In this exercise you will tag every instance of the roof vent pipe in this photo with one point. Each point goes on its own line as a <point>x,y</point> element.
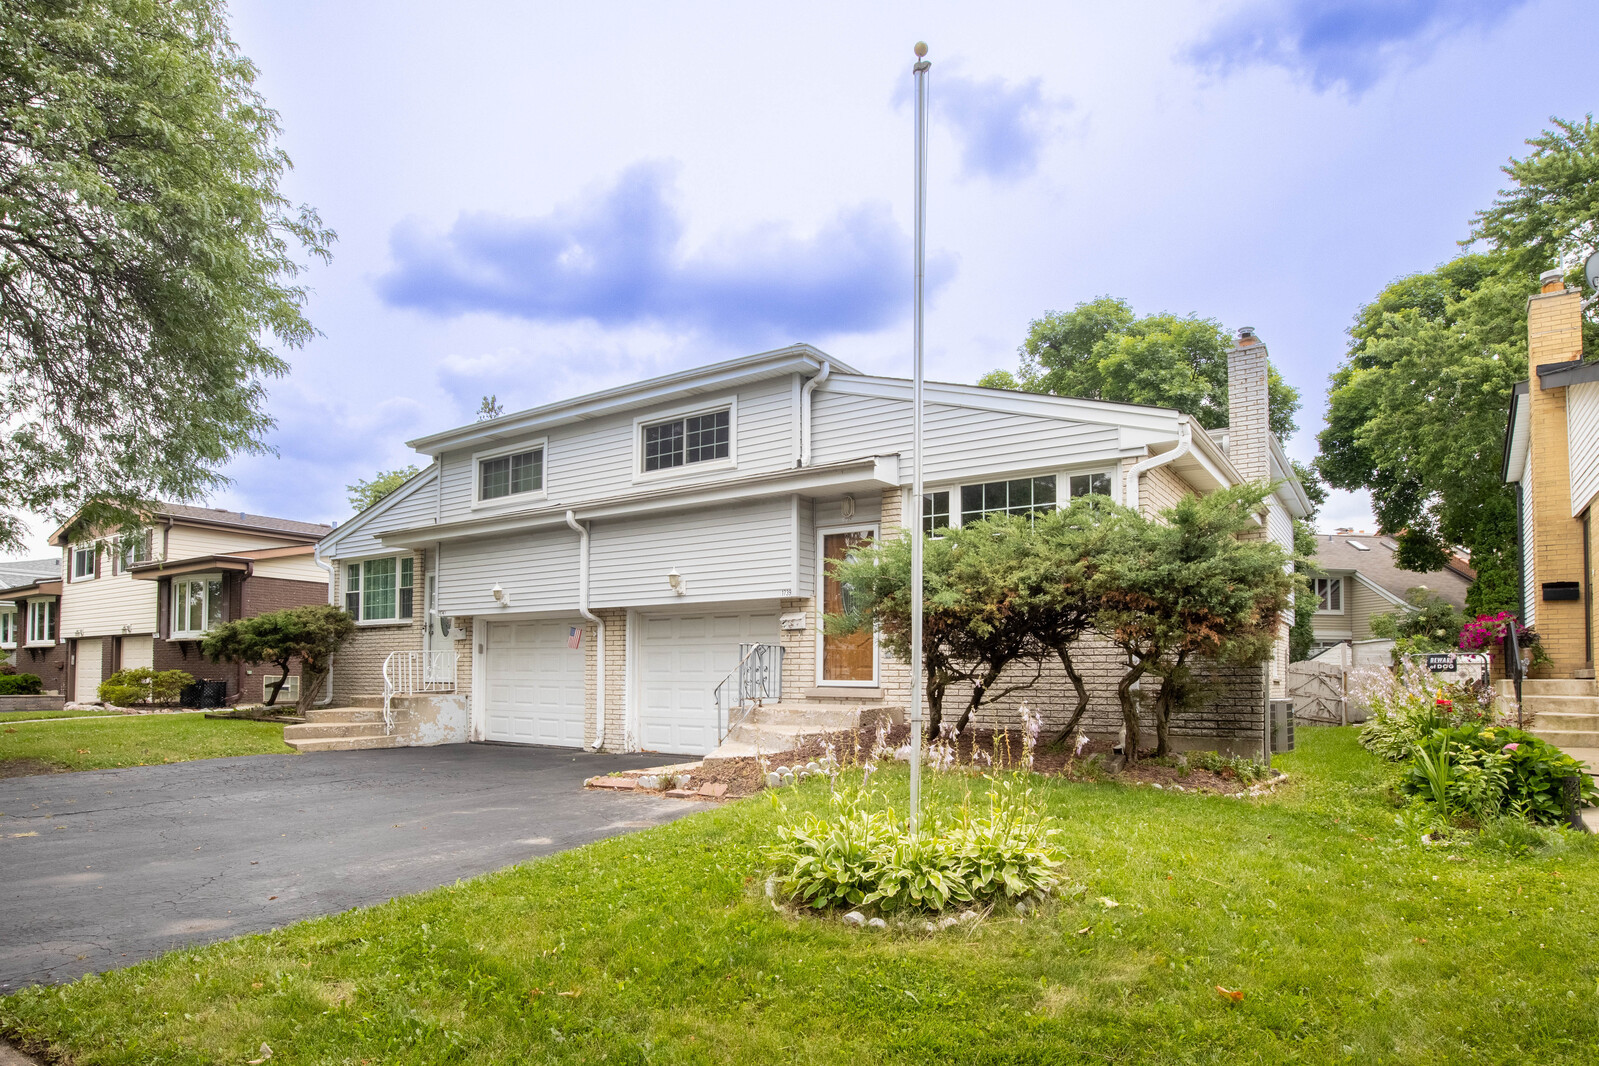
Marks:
<point>599,626</point>
<point>805,412</point>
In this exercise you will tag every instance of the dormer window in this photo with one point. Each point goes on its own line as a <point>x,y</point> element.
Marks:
<point>699,438</point>
<point>509,474</point>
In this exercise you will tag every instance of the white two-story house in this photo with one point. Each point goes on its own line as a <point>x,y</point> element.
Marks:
<point>591,572</point>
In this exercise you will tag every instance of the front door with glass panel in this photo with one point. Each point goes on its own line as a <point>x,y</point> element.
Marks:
<point>852,657</point>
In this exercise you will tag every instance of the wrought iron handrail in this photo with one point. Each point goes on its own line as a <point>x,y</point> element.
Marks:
<point>1513,667</point>
<point>757,677</point>
<point>405,673</point>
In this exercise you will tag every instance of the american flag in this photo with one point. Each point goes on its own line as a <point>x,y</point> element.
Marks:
<point>574,637</point>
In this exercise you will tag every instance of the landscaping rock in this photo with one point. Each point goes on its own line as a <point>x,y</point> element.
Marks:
<point>682,794</point>
<point>622,784</point>
<point>968,916</point>
<point>714,789</point>
<point>855,918</point>
<point>876,923</point>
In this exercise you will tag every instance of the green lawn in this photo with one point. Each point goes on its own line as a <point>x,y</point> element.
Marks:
<point>18,716</point>
<point>136,740</point>
<point>1349,939</point>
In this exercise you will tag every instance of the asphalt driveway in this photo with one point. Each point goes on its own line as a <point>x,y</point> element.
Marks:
<point>103,868</point>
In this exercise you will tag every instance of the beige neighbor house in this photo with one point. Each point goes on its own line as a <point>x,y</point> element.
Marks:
<point>632,569</point>
<point>1358,580</point>
<point>30,608</point>
<point>147,600</point>
<point>1551,456</point>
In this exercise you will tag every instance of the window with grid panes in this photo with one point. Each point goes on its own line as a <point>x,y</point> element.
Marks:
<point>509,475</point>
<point>1019,496</point>
<point>694,439</point>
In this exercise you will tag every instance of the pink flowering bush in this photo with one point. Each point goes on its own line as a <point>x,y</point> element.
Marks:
<point>1488,631</point>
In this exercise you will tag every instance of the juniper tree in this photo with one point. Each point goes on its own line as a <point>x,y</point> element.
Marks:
<point>310,634</point>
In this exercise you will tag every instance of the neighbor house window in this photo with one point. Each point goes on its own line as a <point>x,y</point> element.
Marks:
<point>694,439</point>
<point>510,475</point>
<point>83,562</point>
<point>1089,485</point>
<point>1020,496</point>
<point>136,549</point>
<point>8,629</point>
<point>381,590</point>
<point>1329,593</point>
<point>196,605</point>
<point>935,512</point>
<point>42,621</point>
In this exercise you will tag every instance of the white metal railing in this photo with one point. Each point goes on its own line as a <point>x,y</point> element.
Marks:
<point>757,677</point>
<point>405,673</point>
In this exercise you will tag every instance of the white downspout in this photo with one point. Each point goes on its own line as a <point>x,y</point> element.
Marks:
<point>1185,442</point>
<point>333,599</point>
<point>805,412</point>
<point>599,626</point>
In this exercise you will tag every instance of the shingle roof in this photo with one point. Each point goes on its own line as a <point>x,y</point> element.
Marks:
<point>243,520</point>
<point>1338,551</point>
<point>18,572</point>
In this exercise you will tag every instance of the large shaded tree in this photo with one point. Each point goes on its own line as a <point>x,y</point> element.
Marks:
<point>147,256</point>
<point>1549,216</point>
<point>1102,350</point>
<point>365,493</point>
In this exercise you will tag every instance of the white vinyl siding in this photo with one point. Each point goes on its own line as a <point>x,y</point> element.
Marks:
<point>1329,593</point>
<point>413,506</point>
<point>1582,441</point>
<point>962,442</point>
<point>737,551</point>
<point>539,570</point>
<point>187,542</point>
<point>599,458</point>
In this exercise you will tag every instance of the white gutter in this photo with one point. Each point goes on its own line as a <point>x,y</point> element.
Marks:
<point>599,626</point>
<point>1185,442</point>
<point>805,411</point>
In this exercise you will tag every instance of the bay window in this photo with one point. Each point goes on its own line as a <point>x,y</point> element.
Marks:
<point>381,590</point>
<point>8,629</point>
<point>196,605</point>
<point>42,621</point>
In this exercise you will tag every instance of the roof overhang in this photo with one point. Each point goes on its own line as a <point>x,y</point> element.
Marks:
<point>1567,372</point>
<point>874,473</point>
<point>63,534</point>
<point>408,488</point>
<point>201,564</point>
<point>31,591</point>
<point>1518,436</point>
<point>795,359</point>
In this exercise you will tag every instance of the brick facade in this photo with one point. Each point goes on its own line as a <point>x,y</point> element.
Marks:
<point>49,663</point>
<point>358,666</point>
<point>1554,334</point>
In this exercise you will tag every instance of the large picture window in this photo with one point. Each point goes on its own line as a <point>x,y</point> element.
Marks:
<point>381,590</point>
<point>510,475</point>
<point>1020,496</point>
<point>693,439</point>
<point>1329,594</point>
<point>196,605</point>
<point>42,621</point>
<point>8,629</point>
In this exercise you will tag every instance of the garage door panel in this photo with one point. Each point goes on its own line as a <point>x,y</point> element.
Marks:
<point>681,660</point>
<point>535,685</point>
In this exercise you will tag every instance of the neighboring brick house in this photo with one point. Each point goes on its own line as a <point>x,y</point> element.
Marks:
<point>1357,579</point>
<point>591,572</point>
<point>30,613</point>
<point>147,599</point>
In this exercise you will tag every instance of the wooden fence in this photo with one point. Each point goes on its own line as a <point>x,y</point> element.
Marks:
<point>1319,692</point>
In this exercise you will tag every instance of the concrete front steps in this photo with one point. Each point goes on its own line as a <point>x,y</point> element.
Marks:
<point>1566,714</point>
<point>342,728</point>
<point>774,727</point>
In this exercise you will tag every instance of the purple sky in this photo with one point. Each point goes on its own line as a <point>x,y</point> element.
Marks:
<point>538,200</point>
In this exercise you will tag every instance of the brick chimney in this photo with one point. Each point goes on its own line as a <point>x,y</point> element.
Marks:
<point>1248,408</point>
<point>1554,335</point>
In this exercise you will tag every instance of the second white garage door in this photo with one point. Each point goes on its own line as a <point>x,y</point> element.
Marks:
<point>534,684</point>
<point>682,658</point>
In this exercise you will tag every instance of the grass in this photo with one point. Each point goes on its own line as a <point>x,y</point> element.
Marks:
<point>77,712</point>
<point>1349,939</point>
<point>136,740</point>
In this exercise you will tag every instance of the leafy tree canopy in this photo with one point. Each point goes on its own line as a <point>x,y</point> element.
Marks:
<point>147,256</point>
<point>1549,216</point>
<point>364,494</point>
<point>1101,350</point>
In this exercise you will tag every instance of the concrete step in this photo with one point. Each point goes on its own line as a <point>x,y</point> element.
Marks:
<point>1558,686</point>
<point>325,730</point>
<point>346,714</point>
<point>1565,722</point>
<point>1561,704</point>
<point>1565,740</point>
<point>806,714</point>
<point>732,749</point>
<point>343,743</point>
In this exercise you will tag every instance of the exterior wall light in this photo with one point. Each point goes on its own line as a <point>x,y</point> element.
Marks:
<point>675,580</point>
<point>501,597</point>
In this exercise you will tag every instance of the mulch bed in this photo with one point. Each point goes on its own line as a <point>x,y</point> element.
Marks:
<point>982,749</point>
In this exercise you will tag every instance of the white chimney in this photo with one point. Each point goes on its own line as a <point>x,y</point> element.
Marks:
<point>1248,408</point>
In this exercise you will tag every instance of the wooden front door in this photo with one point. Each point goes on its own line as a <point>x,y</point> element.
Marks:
<point>852,657</point>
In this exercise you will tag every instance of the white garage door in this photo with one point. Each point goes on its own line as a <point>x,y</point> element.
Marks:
<point>87,687</point>
<point>534,684</point>
<point>682,659</point>
<point>137,653</point>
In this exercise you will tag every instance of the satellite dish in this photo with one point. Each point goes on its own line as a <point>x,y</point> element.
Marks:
<point>1591,269</point>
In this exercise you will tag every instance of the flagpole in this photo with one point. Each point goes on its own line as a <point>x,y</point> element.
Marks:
<point>914,521</point>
